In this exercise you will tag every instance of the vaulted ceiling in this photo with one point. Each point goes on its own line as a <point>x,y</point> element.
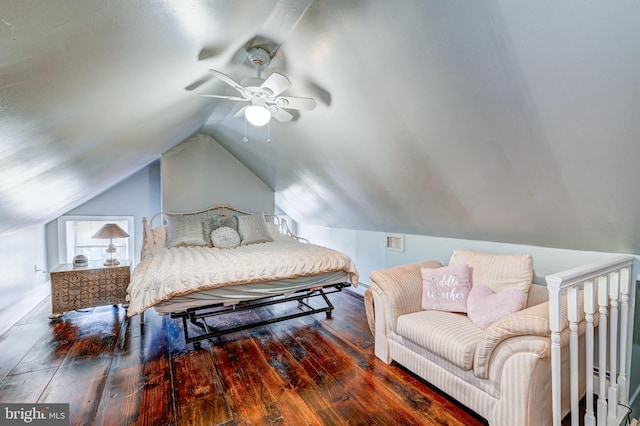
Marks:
<point>492,120</point>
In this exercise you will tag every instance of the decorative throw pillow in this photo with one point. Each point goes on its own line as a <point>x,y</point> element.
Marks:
<point>225,238</point>
<point>275,232</point>
<point>446,288</point>
<point>497,271</point>
<point>154,238</point>
<point>184,230</point>
<point>210,224</point>
<point>253,229</point>
<point>484,306</point>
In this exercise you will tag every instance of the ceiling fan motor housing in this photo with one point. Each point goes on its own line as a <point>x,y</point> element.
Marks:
<point>259,57</point>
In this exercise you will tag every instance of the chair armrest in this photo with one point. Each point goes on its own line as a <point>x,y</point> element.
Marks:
<point>533,321</point>
<point>523,325</point>
<point>400,289</point>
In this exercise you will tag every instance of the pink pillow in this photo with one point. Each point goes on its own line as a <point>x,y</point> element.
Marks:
<point>446,288</point>
<point>484,306</point>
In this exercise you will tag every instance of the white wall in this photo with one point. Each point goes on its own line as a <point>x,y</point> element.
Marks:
<point>21,286</point>
<point>367,249</point>
<point>199,173</point>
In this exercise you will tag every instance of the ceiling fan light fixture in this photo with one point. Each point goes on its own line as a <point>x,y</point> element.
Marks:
<point>263,95</point>
<point>257,115</point>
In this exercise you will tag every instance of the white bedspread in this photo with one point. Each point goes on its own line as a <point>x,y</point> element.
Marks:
<point>183,270</point>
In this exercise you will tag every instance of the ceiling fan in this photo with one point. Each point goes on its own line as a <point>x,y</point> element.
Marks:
<point>263,96</point>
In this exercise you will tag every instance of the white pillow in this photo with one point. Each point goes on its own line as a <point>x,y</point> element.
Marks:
<point>154,238</point>
<point>276,234</point>
<point>225,238</point>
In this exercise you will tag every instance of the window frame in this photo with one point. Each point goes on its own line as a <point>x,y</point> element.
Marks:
<point>62,233</point>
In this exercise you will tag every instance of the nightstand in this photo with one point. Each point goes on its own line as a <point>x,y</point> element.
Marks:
<point>88,286</point>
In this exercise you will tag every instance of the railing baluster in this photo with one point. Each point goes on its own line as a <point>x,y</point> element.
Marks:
<point>606,287</point>
<point>555,315</point>
<point>602,344</point>
<point>589,310</point>
<point>613,344</point>
<point>625,283</point>
<point>572,314</point>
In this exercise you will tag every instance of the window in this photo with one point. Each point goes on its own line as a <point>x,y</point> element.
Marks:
<point>75,232</point>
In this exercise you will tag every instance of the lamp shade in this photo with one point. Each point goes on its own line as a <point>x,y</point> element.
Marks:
<point>257,115</point>
<point>110,230</point>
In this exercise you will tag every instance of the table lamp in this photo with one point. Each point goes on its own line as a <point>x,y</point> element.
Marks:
<point>111,231</point>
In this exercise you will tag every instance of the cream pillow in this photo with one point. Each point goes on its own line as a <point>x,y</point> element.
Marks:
<point>274,230</point>
<point>497,271</point>
<point>154,238</point>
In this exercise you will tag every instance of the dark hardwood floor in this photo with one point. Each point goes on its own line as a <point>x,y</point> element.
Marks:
<point>309,370</point>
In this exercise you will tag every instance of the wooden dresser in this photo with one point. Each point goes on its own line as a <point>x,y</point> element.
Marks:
<point>88,286</point>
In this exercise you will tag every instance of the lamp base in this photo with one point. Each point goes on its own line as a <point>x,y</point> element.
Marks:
<point>111,262</point>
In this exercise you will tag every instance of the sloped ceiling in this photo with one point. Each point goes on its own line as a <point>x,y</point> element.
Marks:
<point>493,120</point>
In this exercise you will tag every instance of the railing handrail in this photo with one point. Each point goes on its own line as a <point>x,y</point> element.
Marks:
<point>570,277</point>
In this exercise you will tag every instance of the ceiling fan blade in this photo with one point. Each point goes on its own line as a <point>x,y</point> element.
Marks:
<point>275,84</point>
<point>320,93</point>
<point>241,112</point>
<point>209,52</point>
<point>231,82</point>
<point>308,104</point>
<point>231,98</point>
<point>281,115</point>
<point>199,82</point>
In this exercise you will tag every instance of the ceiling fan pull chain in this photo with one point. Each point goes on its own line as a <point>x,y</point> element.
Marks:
<point>269,132</point>
<point>244,139</point>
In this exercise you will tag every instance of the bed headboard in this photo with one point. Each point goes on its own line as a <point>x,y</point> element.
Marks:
<point>159,219</point>
<point>215,210</point>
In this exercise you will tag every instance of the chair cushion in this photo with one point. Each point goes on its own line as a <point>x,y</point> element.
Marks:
<point>496,271</point>
<point>449,335</point>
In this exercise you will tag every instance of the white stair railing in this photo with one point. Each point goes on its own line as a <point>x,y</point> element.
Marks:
<point>606,287</point>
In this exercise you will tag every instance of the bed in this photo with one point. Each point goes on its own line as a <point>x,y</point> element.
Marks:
<point>202,264</point>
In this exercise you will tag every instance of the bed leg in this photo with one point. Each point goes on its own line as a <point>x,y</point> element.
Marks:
<point>141,318</point>
<point>328,314</point>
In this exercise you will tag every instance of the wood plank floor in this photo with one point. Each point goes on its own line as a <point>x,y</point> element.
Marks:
<point>311,370</point>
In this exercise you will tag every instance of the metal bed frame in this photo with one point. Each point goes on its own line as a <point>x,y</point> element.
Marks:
<point>198,316</point>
